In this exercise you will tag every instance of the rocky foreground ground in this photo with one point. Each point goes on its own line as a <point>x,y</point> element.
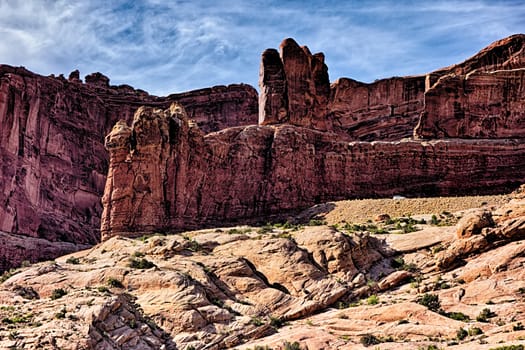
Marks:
<point>421,282</point>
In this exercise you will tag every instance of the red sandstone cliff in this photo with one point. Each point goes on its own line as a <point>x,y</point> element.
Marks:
<point>53,164</point>
<point>482,97</point>
<point>295,89</point>
<point>479,98</point>
<point>166,175</point>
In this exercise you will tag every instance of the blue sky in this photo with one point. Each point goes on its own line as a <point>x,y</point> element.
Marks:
<point>165,47</point>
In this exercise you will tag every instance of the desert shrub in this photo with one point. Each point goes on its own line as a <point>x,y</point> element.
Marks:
<point>285,235</point>
<point>8,274</point>
<point>73,260</point>
<point>518,327</point>
<point>475,331</point>
<point>256,321</point>
<point>372,300</point>
<point>141,264</point>
<point>262,347</point>
<point>458,316</point>
<point>113,282</point>
<point>58,293</point>
<point>399,264</point>
<point>61,314</point>
<point>103,289</point>
<point>292,346</point>
<point>369,339</point>
<point>485,314</point>
<point>442,285</point>
<point>429,347</point>
<point>509,347</point>
<point>276,322</point>
<point>138,254</point>
<point>265,229</point>
<point>316,222</point>
<point>461,334</point>
<point>431,301</point>
<point>437,248</point>
<point>17,319</point>
<point>194,246</point>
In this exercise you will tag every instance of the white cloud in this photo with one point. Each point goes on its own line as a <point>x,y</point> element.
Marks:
<point>173,46</point>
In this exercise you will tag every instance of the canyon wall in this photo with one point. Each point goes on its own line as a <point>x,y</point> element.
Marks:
<point>480,97</point>
<point>315,141</point>
<point>165,175</point>
<point>295,89</point>
<point>313,144</point>
<point>53,164</point>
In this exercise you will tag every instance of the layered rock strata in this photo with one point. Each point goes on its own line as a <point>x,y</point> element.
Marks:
<point>295,89</point>
<point>166,175</point>
<point>53,164</point>
<point>479,98</point>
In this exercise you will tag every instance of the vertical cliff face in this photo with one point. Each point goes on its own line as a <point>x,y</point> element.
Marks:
<point>387,109</point>
<point>295,89</point>
<point>53,164</point>
<point>167,176</point>
<point>476,105</point>
<point>478,98</point>
<point>149,169</point>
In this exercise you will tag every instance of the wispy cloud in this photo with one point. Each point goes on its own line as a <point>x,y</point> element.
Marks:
<point>172,46</point>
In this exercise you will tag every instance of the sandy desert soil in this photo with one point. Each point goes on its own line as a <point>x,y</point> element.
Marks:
<point>361,210</point>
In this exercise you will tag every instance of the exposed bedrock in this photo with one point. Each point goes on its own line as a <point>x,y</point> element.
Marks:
<point>170,176</point>
<point>53,164</point>
<point>308,148</point>
<point>479,98</point>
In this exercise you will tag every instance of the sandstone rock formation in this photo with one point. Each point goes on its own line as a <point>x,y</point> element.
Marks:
<point>168,176</point>
<point>205,289</point>
<point>53,166</point>
<point>52,161</point>
<point>479,98</point>
<point>236,287</point>
<point>478,233</point>
<point>295,89</point>
<point>475,105</point>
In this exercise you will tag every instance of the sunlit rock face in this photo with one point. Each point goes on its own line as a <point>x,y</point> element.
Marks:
<point>308,147</point>
<point>479,98</point>
<point>53,164</point>
<point>165,175</point>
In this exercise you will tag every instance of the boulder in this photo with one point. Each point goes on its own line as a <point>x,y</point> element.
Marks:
<point>473,222</point>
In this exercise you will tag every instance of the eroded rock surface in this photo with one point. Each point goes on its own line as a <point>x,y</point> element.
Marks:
<point>479,98</point>
<point>170,176</point>
<point>236,287</point>
<point>53,164</point>
<point>208,289</point>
